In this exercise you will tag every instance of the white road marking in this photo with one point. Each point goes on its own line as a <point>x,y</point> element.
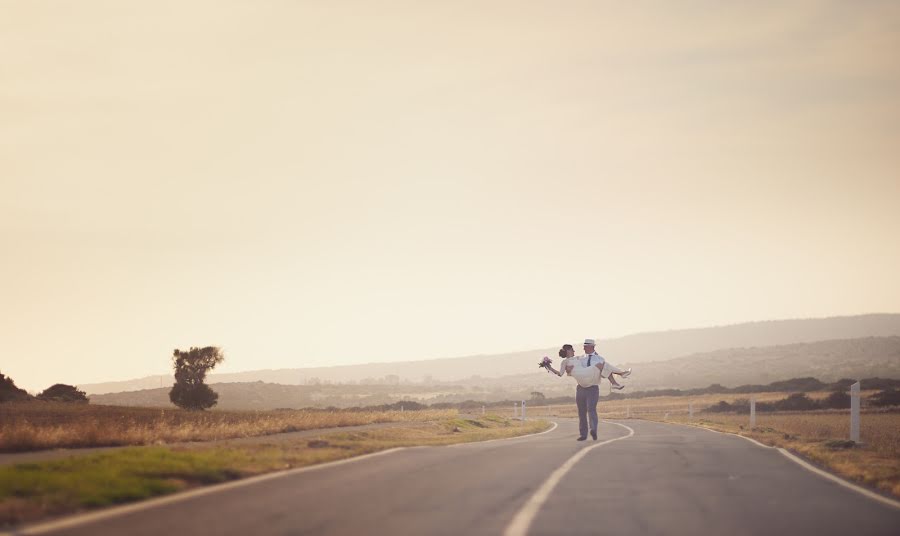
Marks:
<point>522,520</point>
<point>806,465</point>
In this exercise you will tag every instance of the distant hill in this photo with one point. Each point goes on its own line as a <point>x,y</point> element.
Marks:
<point>649,347</point>
<point>827,361</point>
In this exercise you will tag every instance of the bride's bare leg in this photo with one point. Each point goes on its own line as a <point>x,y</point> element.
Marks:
<point>607,372</point>
<point>612,369</point>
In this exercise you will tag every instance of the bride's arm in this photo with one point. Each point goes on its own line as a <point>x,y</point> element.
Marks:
<point>553,370</point>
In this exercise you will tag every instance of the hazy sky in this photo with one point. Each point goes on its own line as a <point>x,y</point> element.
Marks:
<point>313,183</point>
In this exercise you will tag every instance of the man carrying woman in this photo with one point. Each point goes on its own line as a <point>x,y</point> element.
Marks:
<point>588,370</point>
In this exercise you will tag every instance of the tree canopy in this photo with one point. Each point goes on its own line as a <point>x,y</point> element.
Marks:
<point>190,391</point>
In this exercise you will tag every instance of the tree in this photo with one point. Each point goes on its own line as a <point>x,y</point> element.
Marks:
<point>189,391</point>
<point>9,392</point>
<point>537,396</point>
<point>61,392</point>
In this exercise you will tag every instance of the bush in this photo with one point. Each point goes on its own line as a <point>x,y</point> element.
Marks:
<point>720,407</point>
<point>796,402</point>
<point>888,397</point>
<point>9,392</point>
<point>836,400</point>
<point>61,392</point>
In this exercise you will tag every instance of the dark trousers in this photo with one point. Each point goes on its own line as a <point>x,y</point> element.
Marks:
<point>586,398</point>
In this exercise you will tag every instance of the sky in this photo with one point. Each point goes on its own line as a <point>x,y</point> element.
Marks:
<point>327,183</point>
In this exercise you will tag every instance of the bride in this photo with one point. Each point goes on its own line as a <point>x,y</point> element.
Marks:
<point>593,368</point>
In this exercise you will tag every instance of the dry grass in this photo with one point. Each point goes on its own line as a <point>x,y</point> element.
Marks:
<point>44,425</point>
<point>29,492</point>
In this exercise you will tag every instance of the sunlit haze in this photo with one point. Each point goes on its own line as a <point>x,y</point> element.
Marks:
<point>324,183</point>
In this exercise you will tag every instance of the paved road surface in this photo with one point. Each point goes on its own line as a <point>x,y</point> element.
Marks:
<point>665,479</point>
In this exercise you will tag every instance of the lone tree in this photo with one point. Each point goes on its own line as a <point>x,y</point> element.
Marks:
<point>61,392</point>
<point>189,391</point>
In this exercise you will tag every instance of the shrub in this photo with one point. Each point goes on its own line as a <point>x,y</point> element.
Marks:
<point>836,400</point>
<point>796,402</point>
<point>9,392</point>
<point>888,397</point>
<point>720,407</point>
<point>61,392</point>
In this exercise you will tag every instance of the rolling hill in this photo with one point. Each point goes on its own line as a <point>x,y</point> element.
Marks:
<point>652,347</point>
<point>825,360</point>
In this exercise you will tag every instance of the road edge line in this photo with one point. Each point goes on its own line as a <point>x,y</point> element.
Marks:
<point>804,464</point>
<point>521,522</point>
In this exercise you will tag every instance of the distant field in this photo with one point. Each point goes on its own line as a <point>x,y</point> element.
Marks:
<point>44,425</point>
<point>660,405</point>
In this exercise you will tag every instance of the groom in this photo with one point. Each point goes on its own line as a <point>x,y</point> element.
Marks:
<point>588,395</point>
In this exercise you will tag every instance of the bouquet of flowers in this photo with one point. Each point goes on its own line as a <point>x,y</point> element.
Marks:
<point>545,363</point>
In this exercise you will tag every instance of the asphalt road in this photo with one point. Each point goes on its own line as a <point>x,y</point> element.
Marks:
<point>664,479</point>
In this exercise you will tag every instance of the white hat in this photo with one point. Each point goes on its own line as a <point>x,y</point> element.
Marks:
<point>589,342</point>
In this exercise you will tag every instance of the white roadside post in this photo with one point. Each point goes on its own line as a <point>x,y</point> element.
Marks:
<point>691,411</point>
<point>854,412</point>
<point>523,410</point>
<point>515,410</point>
<point>482,410</point>
<point>401,408</point>
<point>752,411</point>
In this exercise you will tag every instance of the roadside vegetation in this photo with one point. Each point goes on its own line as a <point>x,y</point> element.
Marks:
<point>44,425</point>
<point>33,491</point>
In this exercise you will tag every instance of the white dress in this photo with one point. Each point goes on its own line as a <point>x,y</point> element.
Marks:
<point>585,375</point>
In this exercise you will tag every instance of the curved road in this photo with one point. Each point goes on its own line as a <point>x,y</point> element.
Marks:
<point>663,479</point>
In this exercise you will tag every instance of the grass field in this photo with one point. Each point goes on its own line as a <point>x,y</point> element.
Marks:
<point>32,491</point>
<point>43,425</point>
